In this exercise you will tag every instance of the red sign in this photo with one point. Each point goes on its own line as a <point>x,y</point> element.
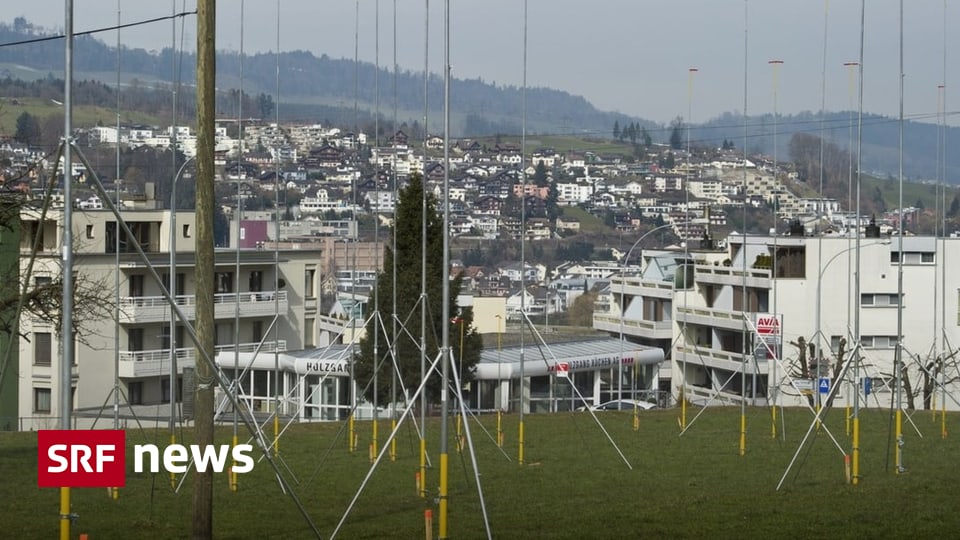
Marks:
<point>95,458</point>
<point>563,369</point>
<point>768,324</point>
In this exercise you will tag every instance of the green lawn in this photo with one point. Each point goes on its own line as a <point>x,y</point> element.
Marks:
<point>573,483</point>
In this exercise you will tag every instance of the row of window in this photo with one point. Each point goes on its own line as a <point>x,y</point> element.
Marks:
<point>880,300</point>
<point>867,342</point>
<point>913,257</point>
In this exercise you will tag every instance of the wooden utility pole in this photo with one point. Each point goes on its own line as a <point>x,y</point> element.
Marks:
<point>203,404</point>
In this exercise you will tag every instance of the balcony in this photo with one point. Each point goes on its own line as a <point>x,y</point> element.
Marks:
<point>728,275</point>
<point>716,318</point>
<point>730,361</point>
<point>154,363</point>
<point>634,327</point>
<point>638,286</point>
<point>154,309</point>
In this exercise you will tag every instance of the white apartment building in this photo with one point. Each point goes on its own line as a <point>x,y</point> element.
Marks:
<point>247,295</point>
<point>712,328</point>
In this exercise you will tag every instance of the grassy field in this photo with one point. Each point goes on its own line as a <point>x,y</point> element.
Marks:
<point>573,483</point>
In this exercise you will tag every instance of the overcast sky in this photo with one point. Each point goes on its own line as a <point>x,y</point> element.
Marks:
<point>631,56</point>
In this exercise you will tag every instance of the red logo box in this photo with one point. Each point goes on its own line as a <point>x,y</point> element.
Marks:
<point>95,458</point>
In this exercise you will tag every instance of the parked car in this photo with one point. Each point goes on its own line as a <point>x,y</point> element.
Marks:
<point>621,405</point>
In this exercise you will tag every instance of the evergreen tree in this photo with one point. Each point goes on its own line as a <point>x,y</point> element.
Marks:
<point>954,206</point>
<point>28,129</point>
<point>676,133</point>
<point>540,175</point>
<point>645,137</point>
<point>409,303</point>
<point>616,129</point>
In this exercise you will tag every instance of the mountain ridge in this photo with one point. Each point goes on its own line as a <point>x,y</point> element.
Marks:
<point>323,88</point>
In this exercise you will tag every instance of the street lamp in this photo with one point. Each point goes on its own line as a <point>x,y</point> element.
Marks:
<point>623,308</point>
<point>818,334</point>
<point>171,287</point>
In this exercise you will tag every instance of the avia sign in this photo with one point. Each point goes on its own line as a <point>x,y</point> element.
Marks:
<point>768,324</point>
<point>97,458</point>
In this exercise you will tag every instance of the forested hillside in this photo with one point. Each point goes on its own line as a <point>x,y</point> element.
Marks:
<point>482,108</point>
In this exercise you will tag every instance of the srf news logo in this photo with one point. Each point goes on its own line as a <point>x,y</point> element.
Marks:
<point>67,458</point>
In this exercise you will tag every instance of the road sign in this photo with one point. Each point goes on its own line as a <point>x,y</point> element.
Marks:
<point>804,385</point>
<point>563,369</point>
<point>824,385</point>
<point>867,385</point>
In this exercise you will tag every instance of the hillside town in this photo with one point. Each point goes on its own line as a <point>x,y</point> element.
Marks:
<point>675,304</point>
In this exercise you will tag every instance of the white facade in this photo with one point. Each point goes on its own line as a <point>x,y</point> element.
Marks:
<point>144,353</point>
<point>814,291</point>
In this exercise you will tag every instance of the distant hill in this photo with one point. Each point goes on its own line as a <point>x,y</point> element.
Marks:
<point>312,86</point>
<point>322,89</point>
<point>880,140</point>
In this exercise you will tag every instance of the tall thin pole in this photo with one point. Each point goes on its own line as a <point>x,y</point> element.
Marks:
<point>396,192</point>
<point>203,409</point>
<point>115,492</point>
<point>352,436</point>
<point>233,479</point>
<point>172,277</point>
<point>376,236</point>
<point>743,251</point>
<point>523,234</point>
<point>855,443</point>
<point>943,231</point>
<point>276,261</point>
<point>66,330</point>
<point>686,250</point>
<point>445,356</point>
<point>851,85</point>
<point>423,253</point>
<point>898,352</point>
<point>775,65</point>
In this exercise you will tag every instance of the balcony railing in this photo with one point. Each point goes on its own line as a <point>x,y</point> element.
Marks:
<point>136,364</point>
<point>729,275</point>
<point>149,309</point>
<point>720,318</point>
<point>634,327</point>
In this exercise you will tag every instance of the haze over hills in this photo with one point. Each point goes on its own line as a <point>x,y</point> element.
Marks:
<point>325,89</point>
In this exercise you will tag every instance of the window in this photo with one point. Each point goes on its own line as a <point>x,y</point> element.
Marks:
<point>308,282</point>
<point>913,257</point>
<point>186,231</point>
<point>89,231</point>
<point>41,400</point>
<point>223,282</point>
<point>879,300</point>
<point>135,392</point>
<point>41,348</point>
<point>136,285</point>
<point>135,339</point>
<point>879,342</point>
<point>181,284</point>
<point>256,331</point>
<point>309,329</point>
<point>835,343</point>
<point>165,390</point>
<point>256,281</point>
